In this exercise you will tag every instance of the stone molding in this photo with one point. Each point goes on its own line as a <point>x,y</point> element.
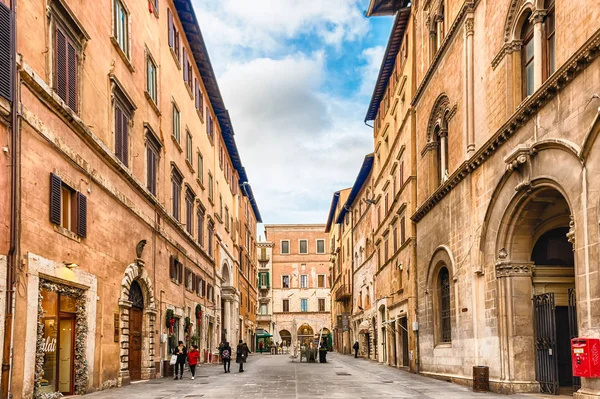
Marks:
<point>527,110</point>
<point>507,268</point>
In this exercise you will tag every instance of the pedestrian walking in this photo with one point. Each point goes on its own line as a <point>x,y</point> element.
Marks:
<point>225,353</point>
<point>261,346</point>
<point>241,354</point>
<point>181,352</point>
<point>355,347</point>
<point>193,357</point>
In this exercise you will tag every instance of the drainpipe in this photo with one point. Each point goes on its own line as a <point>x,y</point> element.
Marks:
<point>12,253</point>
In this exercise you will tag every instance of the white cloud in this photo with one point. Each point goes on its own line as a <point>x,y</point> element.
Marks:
<point>373,57</point>
<point>298,144</point>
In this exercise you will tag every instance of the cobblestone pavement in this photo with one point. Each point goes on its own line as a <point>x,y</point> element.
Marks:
<point>276,376</point>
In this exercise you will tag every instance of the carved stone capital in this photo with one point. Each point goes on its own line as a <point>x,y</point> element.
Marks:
<point>537,17</point>
<point>438,18</point>
<point>571,232</point>
<point>469,25</point>
<point>507,268</point>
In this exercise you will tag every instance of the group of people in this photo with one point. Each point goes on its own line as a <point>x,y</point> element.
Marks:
<point>192,356</point>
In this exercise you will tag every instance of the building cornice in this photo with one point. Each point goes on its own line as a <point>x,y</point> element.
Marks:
<point>526,110</point>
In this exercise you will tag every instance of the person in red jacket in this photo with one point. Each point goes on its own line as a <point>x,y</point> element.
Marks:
<point>193,357</point>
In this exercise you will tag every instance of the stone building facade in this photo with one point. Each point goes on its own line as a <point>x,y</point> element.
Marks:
<point>300,282</point>
<point>264,317</point>
<point>129,194</point>
<point>506,117</point>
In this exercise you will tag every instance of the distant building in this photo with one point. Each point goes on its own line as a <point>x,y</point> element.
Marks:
<point>300,282</point>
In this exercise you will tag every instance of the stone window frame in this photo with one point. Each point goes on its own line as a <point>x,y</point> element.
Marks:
<point>442,257</point>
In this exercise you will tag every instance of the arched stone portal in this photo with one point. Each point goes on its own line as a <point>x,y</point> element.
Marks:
<point>136,282</point>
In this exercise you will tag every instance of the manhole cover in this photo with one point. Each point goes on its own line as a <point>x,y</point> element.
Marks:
<point>342,373</point>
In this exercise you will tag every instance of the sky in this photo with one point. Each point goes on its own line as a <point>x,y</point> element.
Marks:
<point>297,77</point>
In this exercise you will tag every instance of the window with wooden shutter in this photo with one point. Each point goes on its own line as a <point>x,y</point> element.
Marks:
<point>122,134</point>
<point>185,66</point>
<point>55,196</point>
<point>6,53</point>
<point>176,180</point>
<point>121,28</point>
<point>153,148</point>
<point>201,228</point>
<point>171,28</point>
<point>176,123</point>
<point>81,215</point>
<point>189,209</point>
<point>402,230</point>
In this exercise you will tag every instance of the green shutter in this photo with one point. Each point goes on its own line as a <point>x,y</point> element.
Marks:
<point>267,280</point>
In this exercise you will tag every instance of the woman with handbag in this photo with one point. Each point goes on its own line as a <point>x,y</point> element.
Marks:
<point>181,352</point>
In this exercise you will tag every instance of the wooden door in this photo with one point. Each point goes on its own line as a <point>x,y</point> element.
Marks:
<point>135,343</point>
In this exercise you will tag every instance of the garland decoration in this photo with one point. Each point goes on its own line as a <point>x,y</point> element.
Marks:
<point>170,320</point>
<point>81,330</point>
<point>198,315</point>
<point>188,328</point>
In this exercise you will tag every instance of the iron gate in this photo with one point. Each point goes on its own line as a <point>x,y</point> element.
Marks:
<point>573,331</point>
<point>546,369</point>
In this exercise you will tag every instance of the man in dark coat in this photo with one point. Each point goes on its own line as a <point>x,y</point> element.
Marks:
<point>181,352</point>
<point>241,354</point>
<point>225,352</point>
<point>355,347</point>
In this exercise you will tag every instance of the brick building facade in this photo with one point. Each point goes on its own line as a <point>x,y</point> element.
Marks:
<point>135,220</point>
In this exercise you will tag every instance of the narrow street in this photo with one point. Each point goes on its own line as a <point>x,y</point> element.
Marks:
<point>269,376</point>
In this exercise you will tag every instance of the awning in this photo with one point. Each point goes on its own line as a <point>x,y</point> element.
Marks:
<point>263,335</point>
<point>363,328</point>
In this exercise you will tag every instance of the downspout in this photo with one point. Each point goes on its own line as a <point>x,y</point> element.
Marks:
<point>414,265</point>
<point>12,252</point>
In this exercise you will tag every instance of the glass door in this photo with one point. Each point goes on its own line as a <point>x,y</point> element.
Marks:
<point>66,353</point>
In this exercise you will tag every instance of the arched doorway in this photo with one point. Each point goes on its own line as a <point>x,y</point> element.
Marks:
<point>305,334</point>
<point>373,351</point>
<point>286,338</point>
<point>536,261</point>
<point>136,313</point>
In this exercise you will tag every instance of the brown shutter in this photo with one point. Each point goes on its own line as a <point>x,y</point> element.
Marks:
<point>6,53</point>
<point>125,138</point>
<point>61,65</point>
<point>402,230</point>
<point>171,267</point>
<point>171,33</point>
<point>179,272</point>
<point>72,75</point>
<point>81,215</point>
<point>55,187</point>
<point>185,68</point>
<point>119,133</point>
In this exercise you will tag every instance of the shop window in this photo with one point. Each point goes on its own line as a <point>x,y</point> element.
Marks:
<point>68,208</point>
<point>174,339</point>
<point>59,336</point>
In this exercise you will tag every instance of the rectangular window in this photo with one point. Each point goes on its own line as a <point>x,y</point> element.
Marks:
<point>286,305</point>
<point>210,238</point>
<point>395,238</point>
<point>263,308</point>
<point>152,154</point>
<point>550,41</point>
<point>285,281</point>
<point>199,98</point>
<point>210,186</point>
<point>200,228</point>
<point>209,125</point>
<point>173,36</point>
<point>176,124</point>
<point>121,134</point>
<point>200,168</point>
<point>320,246</point>
<point>151,79</point>
<point>68,208</point>
<point>176,181</point>
<point>385,249</point>
<point>402,230</point>
<point>187,70</point>
<point>188,279</point>
<point>227,218</point>
<point>188,149</point>
<point>121,27</point>
<point>285,247</point>
<point>321,281</point>
<point>66,69</point>
<point>303,246</point>
<point>304,281</point>
<point>176,270</point>
<point>304,305</point>
<point>321,305</point>
<point>189,211</point>
<point>401,173</point>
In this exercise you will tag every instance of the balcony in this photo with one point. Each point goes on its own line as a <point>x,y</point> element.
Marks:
<point>263,287</point>
<point>263,258</point>
<point>343,293</point>
<point>263,317</point>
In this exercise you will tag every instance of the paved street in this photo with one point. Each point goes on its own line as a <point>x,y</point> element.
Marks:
<point>269,376</point>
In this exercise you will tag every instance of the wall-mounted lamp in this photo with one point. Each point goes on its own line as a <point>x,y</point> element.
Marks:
<point>70,265</point>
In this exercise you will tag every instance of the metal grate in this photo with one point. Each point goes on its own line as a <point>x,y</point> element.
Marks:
<point>6,52</point>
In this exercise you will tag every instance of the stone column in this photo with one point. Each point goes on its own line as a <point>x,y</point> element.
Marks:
<point>537,19</point>
<point>515,314</point>
<point>469,30</point>
<point>227,321</point>
<point>438,28</point>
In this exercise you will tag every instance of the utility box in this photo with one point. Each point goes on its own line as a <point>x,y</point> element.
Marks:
<point>585,357</point>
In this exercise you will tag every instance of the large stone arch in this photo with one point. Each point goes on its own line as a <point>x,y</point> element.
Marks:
<point>137,272</point>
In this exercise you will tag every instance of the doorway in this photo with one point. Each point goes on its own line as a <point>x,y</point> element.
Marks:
<point>404,332</point>
<point>136,313</point>
<point>66,339</point>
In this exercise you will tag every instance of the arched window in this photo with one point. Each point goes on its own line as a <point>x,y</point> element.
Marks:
<point>444,306</point>
<point>441,27</point>
<point>441,136</point>
<point>527,58</point>
<point>549,24</point>
<point>135,295</point>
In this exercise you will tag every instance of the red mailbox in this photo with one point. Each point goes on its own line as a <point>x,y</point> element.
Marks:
<point>585,357</point>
